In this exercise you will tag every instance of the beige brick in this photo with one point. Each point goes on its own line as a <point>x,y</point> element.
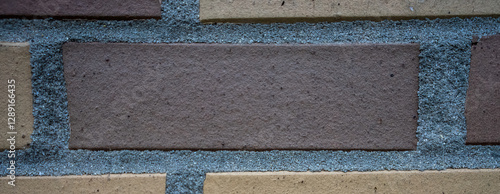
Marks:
<point>113,183</point>
<point>448,181</point>
<point>337,10</point>
<point>15,64</point>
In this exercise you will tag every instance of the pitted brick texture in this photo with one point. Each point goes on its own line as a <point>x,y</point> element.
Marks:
<point>109,183</point>
<point>15,65</point>
<point>482,109</point>
<point>448,181</point>
<point>100,9</point>
<point>242,97</point>
<point>338,10</point>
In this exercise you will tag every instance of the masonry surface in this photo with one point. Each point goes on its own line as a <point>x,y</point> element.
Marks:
<point>15,69</point>
<point>444,63</point>
<point>90,9</point>
<point>447,181</point>
<point>242,97</point>
<point>482,108</point>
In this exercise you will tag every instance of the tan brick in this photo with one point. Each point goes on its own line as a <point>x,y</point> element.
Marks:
<point>15,64</point>
<point>336,10</point>
<point>448,181</point>
<point>113,183</point>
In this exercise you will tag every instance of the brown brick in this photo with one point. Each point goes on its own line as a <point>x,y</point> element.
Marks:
<point>337,10</point>
<point>15,65</point>
<point>482,109</point>
<point>111,183</point>
<point>108,9</point>
<point>448,181</point>
<point>250,97</point>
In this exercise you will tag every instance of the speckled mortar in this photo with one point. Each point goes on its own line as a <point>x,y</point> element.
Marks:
<point>444,67</point>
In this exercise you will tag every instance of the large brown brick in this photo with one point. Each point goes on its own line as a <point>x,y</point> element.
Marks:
<point>110,183</point>
<point>448,181</point>
<point>482,109</point>
<point>102,9</point>
<point>337,10</point>
<point>15,68</point>
<point>249,97</point>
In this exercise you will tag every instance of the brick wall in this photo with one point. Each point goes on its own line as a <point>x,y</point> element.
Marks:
<point>221,97</point>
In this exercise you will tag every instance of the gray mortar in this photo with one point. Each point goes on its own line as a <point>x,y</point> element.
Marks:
<point>444,68</point>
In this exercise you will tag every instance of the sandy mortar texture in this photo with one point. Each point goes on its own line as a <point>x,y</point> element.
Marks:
<point>444,67</point>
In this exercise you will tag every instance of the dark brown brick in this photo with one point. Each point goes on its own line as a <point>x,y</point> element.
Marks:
<point>244,97</point>
<point>482,109</point>
<point>105,9</point>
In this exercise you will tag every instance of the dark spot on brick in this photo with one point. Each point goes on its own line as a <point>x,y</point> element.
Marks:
<point>23,136</point>
<point>475,40</point>
<point>282,3</point>
<point>107,60</point>
<point>392,75</point>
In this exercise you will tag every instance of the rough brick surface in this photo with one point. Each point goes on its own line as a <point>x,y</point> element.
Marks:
<point>107,9</point>
<point>250,97</point>
<point>336,10</point>
<point>110,183</point>
<point>449,181</point>
<point>15,65</point>
<point>483,95</point>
